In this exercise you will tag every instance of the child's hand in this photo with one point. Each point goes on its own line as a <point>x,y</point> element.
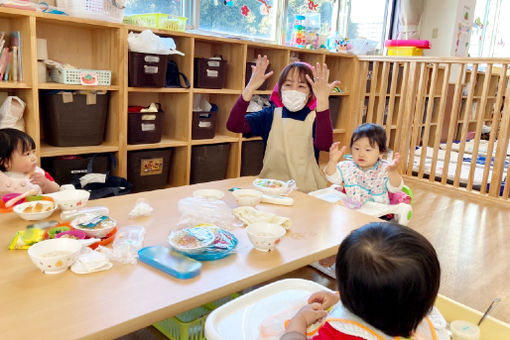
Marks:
<point>305,317</point>
<point>336,152</point>
<point>45,184</point>
<point>320,86</point>
<point>258,76</point>
<point>324,298</point>
<point>393,165</point>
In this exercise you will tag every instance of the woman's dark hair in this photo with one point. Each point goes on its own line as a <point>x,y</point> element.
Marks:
<point>375,134</point>
<point>388,275</point>
<point>303,70</point>
<point>12,140</point>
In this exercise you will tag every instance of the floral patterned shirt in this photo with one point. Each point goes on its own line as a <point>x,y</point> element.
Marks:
<point>364,185</point>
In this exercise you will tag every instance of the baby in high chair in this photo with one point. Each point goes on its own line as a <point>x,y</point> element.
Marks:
<point>388,278</point>
<point>367,178</point>
<point>19,172</point>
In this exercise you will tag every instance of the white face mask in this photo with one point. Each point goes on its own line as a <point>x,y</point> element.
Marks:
<point>294,100</point>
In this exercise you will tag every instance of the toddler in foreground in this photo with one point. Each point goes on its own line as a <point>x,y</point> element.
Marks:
<point>388,278</point>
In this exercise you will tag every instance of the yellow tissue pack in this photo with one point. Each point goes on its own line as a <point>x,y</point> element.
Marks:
<point>25,238</point>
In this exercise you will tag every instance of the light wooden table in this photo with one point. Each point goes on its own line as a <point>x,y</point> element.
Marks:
<point>128,297</point>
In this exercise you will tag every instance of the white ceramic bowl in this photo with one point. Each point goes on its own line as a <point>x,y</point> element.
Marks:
<point>270,186</point>
<point>265,236</point>
<point>247,196</point>
<point>71,199</point>
<point>99,231</point>
<point>35,210</point>
<point>209,193</point>
<point>56,255</point>
<point>186,240</point>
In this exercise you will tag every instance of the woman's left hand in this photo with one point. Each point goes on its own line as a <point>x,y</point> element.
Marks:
<point>320,86</point>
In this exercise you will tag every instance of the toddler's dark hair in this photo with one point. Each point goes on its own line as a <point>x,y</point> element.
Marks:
<point>12,140</point>
<point>375,134</point>
<point>303,70</point>
<point>388,275</point>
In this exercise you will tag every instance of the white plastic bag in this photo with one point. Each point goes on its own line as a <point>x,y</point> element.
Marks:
<point>148,42</point>
<point>11,113</point>
<point>199,210</point>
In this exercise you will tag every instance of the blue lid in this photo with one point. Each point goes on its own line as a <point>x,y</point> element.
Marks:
<point>300,17</point>
<point>170,261</point>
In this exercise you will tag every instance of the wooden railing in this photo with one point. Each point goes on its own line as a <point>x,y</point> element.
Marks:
<point>449,118</point>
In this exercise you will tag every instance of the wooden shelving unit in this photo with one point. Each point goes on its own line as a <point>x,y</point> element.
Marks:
<point>100,45</point>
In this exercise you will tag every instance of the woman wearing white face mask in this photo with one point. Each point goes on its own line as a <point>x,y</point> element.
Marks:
<point>295,128</point>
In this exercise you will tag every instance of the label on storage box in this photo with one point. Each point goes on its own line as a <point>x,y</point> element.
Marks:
<point>151,166</point>
<point>212,73</point>
<point>204,124</point>
<point>213,63</point>
<point>148,127</point>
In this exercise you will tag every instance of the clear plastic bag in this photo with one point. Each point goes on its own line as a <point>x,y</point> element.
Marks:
<point>200,210</point>
<point>128,241</point>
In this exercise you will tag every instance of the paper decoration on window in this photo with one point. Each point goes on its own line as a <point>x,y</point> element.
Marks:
<point>312,6</point>
<point>228,3</point>
<point>245,10</point>
<point>265,9</point>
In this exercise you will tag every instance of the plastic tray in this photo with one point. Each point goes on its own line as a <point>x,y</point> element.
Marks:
<point>243,317</point>
<point>169,261</point>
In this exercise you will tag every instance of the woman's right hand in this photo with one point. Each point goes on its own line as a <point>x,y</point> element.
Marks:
<point>258,77</point>
<point>324,298</point>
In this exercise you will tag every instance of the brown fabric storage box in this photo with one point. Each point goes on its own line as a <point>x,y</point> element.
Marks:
<point>64,168</point>
<point>147,70</point>
<point>248,75</point>
<point>252,157</point>
<point>334,106</point>
<point>144,127</point>
<point>204,125</point>
<point>149,169</point>
<point>73,123</point>
<point>209,162</point>
<point>209,73</point>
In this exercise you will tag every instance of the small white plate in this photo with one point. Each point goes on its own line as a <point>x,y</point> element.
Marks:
<point>209,193</point>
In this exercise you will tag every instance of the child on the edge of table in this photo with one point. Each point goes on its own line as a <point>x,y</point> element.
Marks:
<point>18,165</point>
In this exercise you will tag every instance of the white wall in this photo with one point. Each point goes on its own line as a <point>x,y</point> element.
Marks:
<point>439,24</point>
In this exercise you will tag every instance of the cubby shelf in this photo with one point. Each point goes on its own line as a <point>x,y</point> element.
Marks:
<point>52,151</point>
<point>91,44</point>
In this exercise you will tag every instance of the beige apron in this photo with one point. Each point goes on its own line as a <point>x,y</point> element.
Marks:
<point>290,153</point>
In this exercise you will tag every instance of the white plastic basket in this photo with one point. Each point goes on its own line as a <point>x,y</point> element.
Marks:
<point>106,10</point>
<point>65,76</point>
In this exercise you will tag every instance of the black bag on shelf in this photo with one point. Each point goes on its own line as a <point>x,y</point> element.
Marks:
<point>112,186</point>
<point>173,74</point>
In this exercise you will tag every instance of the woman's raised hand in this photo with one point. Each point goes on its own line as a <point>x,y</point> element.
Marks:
<point>320,85</point>
<point>258,76</point>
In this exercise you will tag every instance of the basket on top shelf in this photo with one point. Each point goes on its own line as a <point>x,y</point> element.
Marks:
<point>107,10</point>
<point>157,20</point>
